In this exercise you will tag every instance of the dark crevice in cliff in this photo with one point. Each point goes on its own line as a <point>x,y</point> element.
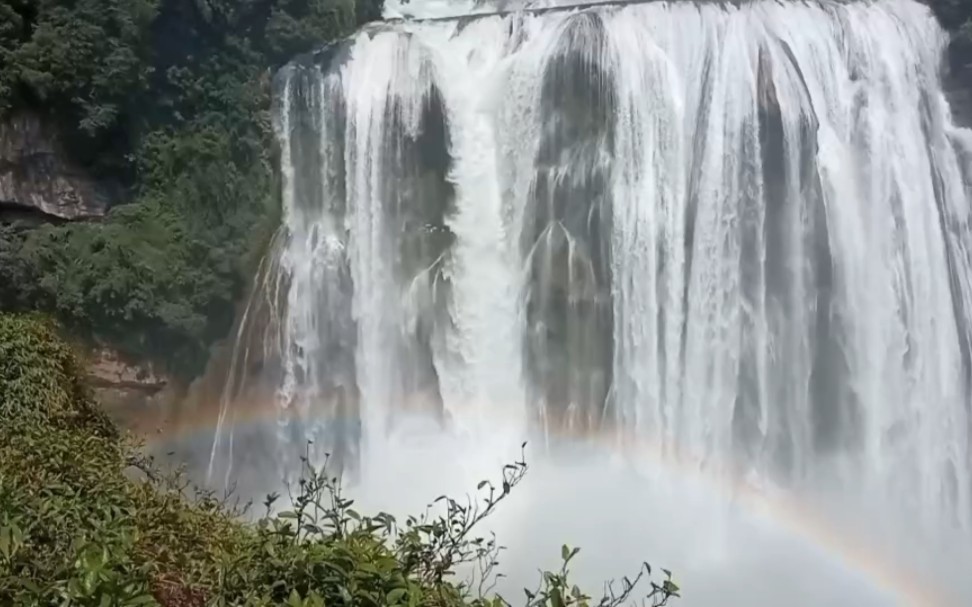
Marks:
<point>13,212</point>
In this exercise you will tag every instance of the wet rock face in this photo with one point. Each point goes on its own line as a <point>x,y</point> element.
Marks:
<point>570,345</point>
<point>36,175</point>
<point>958,79</point>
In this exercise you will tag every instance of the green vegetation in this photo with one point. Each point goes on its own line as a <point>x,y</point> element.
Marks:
<point>84,520</point>
<point>169,99</point>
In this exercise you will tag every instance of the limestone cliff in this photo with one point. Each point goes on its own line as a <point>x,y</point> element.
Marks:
<point>36,176</point>
<point>128,390</point>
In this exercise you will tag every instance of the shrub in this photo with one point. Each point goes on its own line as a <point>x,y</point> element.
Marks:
<point>144,281</point>
<point>85,520</point>
<point>74,528</point>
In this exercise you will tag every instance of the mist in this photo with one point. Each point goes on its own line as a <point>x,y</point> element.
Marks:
<point>725,544</point>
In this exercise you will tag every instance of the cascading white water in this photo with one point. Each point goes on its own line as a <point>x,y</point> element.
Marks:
<point>738,234</point>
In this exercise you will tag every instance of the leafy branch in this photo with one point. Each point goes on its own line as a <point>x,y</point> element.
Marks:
<point>430,548</point>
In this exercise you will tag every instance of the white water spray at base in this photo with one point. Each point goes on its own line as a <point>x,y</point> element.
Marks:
<point>738,234</point>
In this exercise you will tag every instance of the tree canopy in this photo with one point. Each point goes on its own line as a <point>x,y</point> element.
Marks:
<point>170,98</point>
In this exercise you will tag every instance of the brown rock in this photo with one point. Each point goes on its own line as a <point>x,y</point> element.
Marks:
<point>130,392</point>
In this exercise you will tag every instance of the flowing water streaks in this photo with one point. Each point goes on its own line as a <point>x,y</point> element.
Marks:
<point>741,231</point>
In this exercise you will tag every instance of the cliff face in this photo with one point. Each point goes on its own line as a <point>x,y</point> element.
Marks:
<point>36,175</point>
<point>958,78</point>
<point>129,390</point>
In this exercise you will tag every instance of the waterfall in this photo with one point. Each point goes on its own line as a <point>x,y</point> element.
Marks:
<point>737,233</point>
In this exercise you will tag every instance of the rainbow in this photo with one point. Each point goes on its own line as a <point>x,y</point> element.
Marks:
<point>787,513</point>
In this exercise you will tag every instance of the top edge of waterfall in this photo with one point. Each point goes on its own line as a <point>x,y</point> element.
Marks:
<point>445,10</point>
<point>430,11</point>
<point>449,10</point>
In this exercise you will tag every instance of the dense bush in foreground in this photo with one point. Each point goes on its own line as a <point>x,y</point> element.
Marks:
<point>84,520</point>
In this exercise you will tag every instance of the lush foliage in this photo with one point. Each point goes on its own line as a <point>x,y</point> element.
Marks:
<point>73,527</point>
<point>85,521</point>
<point>170,99</point>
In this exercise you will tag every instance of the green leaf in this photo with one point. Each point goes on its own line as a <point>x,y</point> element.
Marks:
<point>6,542</point>
<point>294,599</point>
<point>395,596</point>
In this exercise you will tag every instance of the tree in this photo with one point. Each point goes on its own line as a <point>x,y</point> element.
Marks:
<point>170,98</point>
